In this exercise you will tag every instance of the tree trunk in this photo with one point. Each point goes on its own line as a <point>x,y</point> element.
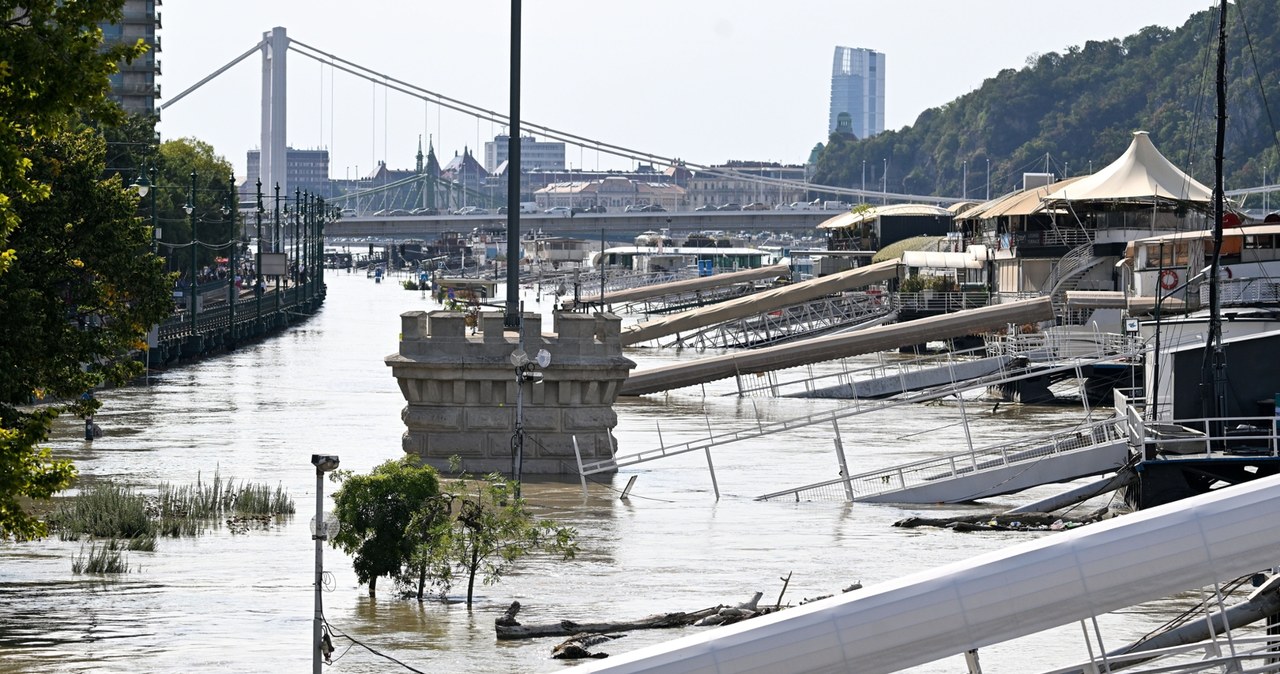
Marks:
<point>471,573</point>
<point>373,586</point>
<point>508,628</point>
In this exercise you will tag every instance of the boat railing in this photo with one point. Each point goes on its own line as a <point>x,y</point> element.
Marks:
<point>1245,653</point>
<point>1059,344</point>
<point>1211,437</point>
<point>906,476</point>
<point>1244,291</point>
<point>931,301</point>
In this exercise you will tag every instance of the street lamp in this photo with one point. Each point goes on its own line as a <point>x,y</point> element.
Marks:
<point>320,644</point>
<point>257,264</point>
<point>884,182</point>
<point>232,291</point>
<point>190,208</point>
<point>862,198</point>
<point>145,187</point>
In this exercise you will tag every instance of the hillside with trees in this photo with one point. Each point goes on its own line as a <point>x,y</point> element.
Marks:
<point>1078,109</point>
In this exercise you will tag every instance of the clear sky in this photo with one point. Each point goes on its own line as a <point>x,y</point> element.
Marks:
<point>705,80</point>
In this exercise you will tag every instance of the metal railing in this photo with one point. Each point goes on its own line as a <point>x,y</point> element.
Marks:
<point>178,326</point>
<point>1199,439</point>
<point>1005,374</point>
<point>936,302</point>
<point>960,464</point>
<point>793,322</point>
<point>1244,291</point>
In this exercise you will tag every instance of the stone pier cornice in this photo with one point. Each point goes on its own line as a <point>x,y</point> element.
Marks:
<point>460,386</point>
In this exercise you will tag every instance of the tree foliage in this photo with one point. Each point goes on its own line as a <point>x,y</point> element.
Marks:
<point>53,70</point>
<point>487,531</point>
<point>376,511</point>
<point>1079,109</point>
<point>175,161</point>
<point>398,523</point>
<point>78,300</point>
<point>77,287</point>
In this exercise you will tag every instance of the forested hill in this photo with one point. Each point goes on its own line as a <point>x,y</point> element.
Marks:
<point>1082,107</point>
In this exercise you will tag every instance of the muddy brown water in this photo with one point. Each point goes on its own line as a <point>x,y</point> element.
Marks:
<point>242,602</point>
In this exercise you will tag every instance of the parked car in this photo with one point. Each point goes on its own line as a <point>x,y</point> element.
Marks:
<point>398,212</point>
<point>471,210</point>
<point>502,210</point>
<point>705,207</point>
<point>558,210</point>
<point>756,206</point>
<point>730,207</point>
<point>801,206</point>
<point>595,209</point>
<point>652,208</point>
<point>425,211</point>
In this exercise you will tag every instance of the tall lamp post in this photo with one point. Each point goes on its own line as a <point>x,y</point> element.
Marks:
<point>275,243</point>
<point>232,291</point>
<point>320,645</point>
<point>190,208</point>
<point>297,215</point>
<point>145,187</point>
<point>257,264</point>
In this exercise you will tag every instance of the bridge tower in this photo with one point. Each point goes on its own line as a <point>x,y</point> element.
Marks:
<point>275,44</point>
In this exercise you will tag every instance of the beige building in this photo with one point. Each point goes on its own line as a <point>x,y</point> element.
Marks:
<point>614,193</point>
<point>737,183</point>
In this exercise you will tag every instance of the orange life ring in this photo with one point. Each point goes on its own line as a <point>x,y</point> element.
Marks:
<point>1168,279</point>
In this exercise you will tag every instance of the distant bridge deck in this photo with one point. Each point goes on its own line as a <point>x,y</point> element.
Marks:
<point>581,225</point>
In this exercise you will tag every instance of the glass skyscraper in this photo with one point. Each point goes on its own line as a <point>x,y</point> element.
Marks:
<point>857,92</point>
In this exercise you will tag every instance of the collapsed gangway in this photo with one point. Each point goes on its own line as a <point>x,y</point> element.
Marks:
<point>826,315</point>
<point>1055,580</point>
<point>832,347</point>
<point>1096,448</point>
<point>1013,372</point>
<point>678,292</point>
<point>763,301</point>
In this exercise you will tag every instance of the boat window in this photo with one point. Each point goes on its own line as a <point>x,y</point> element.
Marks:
<point>1167,254</point>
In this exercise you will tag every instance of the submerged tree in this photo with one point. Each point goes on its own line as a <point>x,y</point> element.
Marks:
<point>376,512</point>
<point>489,530</point>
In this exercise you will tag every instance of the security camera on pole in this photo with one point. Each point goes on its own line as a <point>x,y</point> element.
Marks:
<point>322,528</point>
<point>524,373</point>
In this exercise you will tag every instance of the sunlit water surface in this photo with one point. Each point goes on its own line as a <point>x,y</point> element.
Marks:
<point>242,602</point>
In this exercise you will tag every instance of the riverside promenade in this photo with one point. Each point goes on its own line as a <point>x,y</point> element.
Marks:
<point>219,323</point>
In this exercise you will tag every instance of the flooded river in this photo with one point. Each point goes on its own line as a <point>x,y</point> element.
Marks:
<point>237,602</point>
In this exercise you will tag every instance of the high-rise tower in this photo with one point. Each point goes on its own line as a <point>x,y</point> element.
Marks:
<point>857,92</point>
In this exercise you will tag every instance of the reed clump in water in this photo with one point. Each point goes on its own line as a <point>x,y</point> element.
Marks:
<point>125,519</point>
<point>109,558</point>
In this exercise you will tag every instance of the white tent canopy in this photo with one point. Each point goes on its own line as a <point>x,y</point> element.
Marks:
<point>1141,173</point>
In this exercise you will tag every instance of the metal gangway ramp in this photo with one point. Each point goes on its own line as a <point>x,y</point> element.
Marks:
<point>678,292</point>
<point>834,346</point>
<point>1011,371</point>
<point>1092,449</point>
<point>765,300</point>
<point>800,321</point>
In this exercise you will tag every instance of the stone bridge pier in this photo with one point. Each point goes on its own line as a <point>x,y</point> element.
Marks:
<point>461,390</point>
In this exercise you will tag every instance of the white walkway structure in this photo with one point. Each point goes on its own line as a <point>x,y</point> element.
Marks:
<point>1028,588</point>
